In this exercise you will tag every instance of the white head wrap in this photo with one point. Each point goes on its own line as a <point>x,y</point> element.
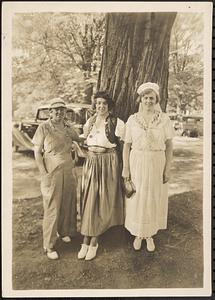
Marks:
<point>148,85</point>
<point>153,86</point>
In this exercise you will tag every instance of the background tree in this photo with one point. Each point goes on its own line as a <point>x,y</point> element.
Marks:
<point>186,64</point>
<point>59,54</point>
<point>136,50</point>
<point>55,54</point>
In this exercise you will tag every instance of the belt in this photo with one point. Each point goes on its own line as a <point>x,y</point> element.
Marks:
<point>97,149</point>
<point>147,150</point>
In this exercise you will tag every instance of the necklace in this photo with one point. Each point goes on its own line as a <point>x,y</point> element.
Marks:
<point>154,121</point>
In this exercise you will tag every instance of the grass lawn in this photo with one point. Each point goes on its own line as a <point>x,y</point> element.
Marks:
<point>177,261</point>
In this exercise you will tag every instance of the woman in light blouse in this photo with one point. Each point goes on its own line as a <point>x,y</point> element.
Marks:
<point>147,156</point>
<point>101,201</point>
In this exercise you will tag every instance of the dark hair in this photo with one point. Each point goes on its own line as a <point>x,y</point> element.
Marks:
<point>106,96</point>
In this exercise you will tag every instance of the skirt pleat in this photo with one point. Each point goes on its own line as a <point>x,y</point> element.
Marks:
<point>101,195</point>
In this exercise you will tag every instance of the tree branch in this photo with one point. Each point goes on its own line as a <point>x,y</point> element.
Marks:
<point>48,47</point>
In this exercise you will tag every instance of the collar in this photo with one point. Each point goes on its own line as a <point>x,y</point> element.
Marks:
<point>155,120</point>
<point>54,127</point>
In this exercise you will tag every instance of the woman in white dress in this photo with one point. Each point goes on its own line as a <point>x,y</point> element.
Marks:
<point>101,198</point>
<point>147,157</point>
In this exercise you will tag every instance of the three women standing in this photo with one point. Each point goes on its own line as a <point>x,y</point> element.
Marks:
<point>147,157</point>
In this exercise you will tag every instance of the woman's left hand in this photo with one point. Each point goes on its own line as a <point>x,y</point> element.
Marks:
<point>166,176</point>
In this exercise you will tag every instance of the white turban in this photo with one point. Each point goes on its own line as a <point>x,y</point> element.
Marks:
<point>148,85</point>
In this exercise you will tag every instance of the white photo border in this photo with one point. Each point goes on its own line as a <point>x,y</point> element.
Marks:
<point>9,9</point>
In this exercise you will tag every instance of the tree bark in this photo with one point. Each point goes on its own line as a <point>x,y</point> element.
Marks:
<point>136,50</point>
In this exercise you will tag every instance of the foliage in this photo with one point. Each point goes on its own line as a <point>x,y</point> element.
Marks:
<point>59,54</point>
<point>186,64</point>
<point>55,54</point>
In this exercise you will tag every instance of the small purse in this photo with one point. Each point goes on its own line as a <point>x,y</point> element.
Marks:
<point>128,187</point>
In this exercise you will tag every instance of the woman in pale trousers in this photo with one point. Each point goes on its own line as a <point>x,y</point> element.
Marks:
<point>53,143</point>
<point>147,159</point>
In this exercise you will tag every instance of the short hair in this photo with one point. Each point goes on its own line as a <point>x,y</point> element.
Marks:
<point>147,91</point>
<point>103,95</point>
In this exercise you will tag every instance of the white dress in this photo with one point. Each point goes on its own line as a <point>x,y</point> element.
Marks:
<point>146,210</point>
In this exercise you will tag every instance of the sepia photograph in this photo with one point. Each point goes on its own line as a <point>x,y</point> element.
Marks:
<point>106,149</point>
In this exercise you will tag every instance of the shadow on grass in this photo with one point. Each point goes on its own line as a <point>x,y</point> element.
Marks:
<point>26,153</point>
<point>187,153</point>
<point>176,263</point>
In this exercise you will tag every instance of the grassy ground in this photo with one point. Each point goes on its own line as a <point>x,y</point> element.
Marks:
<point>176,263</point>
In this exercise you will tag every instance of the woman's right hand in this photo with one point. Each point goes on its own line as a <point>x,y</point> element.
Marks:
<point>45,183</point>
<point>166,176</point>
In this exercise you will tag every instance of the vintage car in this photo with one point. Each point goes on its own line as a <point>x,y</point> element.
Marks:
<point>176,121</point>
<point>187,125</point>
<point>23,132</point>
<point>192,125</point>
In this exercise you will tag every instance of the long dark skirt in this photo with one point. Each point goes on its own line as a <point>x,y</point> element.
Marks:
<point>102,202</point>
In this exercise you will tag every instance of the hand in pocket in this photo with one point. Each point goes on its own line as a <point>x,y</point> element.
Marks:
<point>166,176</point>
<point>46,180</point>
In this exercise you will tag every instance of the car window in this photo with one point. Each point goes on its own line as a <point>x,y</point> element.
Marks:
<point>81,116</point>
<point>78,115</point>
<point>71,115</point>
<point>173,117</point>
<point>43,114</point>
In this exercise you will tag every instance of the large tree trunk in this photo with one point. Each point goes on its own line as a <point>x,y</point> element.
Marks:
<point>136,50</point>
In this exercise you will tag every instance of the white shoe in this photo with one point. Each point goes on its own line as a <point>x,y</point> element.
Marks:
<point>91,253</point>
<point>137,243</point>
<point>150,244</point>
<point>83,252</point>
<point>66,239</point>
<point>51,254</point>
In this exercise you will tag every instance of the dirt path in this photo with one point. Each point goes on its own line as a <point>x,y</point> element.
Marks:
<point>177,261</point>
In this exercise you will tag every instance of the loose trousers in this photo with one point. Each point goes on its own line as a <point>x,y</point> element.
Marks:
<point>59,202</point>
